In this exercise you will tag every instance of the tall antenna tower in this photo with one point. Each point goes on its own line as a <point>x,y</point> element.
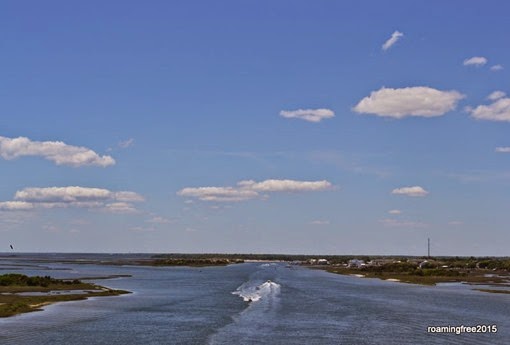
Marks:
<point>428,247</point>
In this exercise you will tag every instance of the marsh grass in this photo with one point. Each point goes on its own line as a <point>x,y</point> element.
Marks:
<point>11,303</point>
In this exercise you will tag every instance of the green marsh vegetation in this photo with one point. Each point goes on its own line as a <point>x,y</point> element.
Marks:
<point>430,271</point>
<point>13,301</point>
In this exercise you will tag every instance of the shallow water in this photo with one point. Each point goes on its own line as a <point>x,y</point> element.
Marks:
<point>289,305</point>
<point>51,293</point>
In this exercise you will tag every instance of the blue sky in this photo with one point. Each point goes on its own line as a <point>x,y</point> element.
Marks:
<point>353,127</point>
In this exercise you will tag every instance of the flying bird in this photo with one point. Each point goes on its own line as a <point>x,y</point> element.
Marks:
<point>12,247</point>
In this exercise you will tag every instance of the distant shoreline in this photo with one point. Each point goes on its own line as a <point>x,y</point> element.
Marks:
<point>474,277</point>
<point>494,271</point>
<point>22,294</point>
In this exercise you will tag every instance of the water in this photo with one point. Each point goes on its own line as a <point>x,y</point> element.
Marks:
<point>289,305</point>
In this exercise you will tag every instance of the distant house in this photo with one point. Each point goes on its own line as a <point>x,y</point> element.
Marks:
<point>355,263</point>
<point>312,261</point>
<point>323,262</point>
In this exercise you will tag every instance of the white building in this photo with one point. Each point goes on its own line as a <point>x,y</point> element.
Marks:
<point>355,263</point>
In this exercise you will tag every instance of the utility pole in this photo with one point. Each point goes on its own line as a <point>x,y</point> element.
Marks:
<point>428,247</point>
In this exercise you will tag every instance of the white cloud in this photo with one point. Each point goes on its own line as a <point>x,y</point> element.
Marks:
<point>56,151</point>
<point>15,206</point>
<point>394,223</point>
<point>395,36</point>
<point>395,212</point>
<point>120,207</point>
<point>320,222</point>
<point>126,143</point>
<point>128,196</point>
<point>62,194</point>
<point>286,185</point>
<point>250,189</point>
<point>415,191</point>
<point>311,115</point>
<point>72,196</point>
<point>503,149</point>
<point>218,193</point>
<point>499,110</point>
<point>496,68</point>
<point>475,61</point>
<point>77,204</point>
<point>409,101</point>
<point>496,95</point>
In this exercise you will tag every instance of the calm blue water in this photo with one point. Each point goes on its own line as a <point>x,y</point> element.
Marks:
<point>297,306</point>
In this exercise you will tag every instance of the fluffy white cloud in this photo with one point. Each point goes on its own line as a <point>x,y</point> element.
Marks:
<point>496,68</point>
<point>285,185</point>
<point>503,149</point>
<point>120,207</point>
<point>250,189</point>
<point>409,101</point>
<point>15,206</point>
<point>410,191</point>
<point>62,194</point>
<point>56,151</point>
<point>395,36</point>
<point>499,110</point>
<point>218,193</point>
<point>128,196</point>
<point>496,95</point>
<point>77,204</point>
<point>475,61</point>
<point>395,212</point>
<point>311,115</point>
<point>72,196</point>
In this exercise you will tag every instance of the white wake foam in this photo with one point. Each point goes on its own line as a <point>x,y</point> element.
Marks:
<point>271,264</point>
<point>252,293</point>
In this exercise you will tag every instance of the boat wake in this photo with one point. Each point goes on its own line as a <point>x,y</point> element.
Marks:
<point>259,315</point>
<point>251,292</point>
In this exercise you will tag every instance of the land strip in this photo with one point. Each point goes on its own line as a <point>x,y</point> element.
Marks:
<point>22,294</point>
